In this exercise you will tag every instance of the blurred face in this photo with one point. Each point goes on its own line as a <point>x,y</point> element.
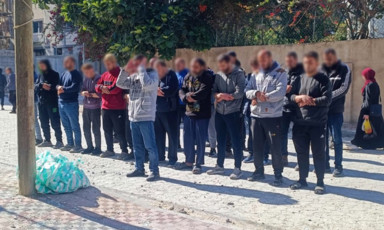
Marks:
<point>7,71</point>
<point>69,64</point>
<point>196,68</point>
<point>265,61</point>
<point>161,70</point>
<point>179,65</point>
<point>233,60</point>
<point>89,73</point>
<point>225,67</point>
<point>311,65</point>
<point>110,65</point>
<point>330,59</point>
<point>42,66</point>
<point>255,68</point>
<point>152,62</point>
<point>290,62</point>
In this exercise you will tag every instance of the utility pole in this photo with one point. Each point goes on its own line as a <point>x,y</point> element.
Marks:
<point>23,17</point>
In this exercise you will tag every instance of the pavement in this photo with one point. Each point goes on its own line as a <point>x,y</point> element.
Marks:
<point>182,200</point>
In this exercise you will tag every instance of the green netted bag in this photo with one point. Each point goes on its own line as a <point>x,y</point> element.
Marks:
<point>56,174</point>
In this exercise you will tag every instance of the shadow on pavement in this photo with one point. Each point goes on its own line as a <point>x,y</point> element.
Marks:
<point>358,194</point>
<point>24,218</point>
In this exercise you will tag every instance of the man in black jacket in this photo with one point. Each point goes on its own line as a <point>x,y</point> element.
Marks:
<point>3,84</point>
<point>166,112</point>
<point>311,96</point>
<point>45,87</point>
<point>196,94</point>
<point>340,76</point>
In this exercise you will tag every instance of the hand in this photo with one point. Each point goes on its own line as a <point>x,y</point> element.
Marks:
<point>289,88</point>
<point>305,100</point>
<point>160,93</point>
<point>254,102</point>
<point>105,90</point>
<point>190,99</point>
<point>126,98</point>
<point>224,97</point>
<point>46,86</point>
<point>261,96</point>
<point>366,117</point>
<point>85,94</point>
<point>60,90</point>
<point>130,67</point>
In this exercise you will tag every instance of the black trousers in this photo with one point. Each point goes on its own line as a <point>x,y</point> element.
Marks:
<point>305,137</point>
<point>128,132</point>
<point>49,114</point>
<point>12,99</point>
<point>2,94</point>
<point>114,120</point>
<point>166,124</point>
<point>92,120</point>
<point>267,130</point>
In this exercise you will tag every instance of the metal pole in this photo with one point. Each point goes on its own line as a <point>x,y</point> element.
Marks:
<point>25,96</point>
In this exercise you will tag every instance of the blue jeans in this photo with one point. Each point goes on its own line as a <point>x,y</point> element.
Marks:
<point>69,114</point>
<point>335,122</point>
<point>143,138</point>
<point>229,123</point>
<point>195,132</point>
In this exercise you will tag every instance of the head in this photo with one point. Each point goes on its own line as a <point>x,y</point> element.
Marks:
<point>291,60</point>
<point>198,65</point>
<point>69,63</point>
<point>330,57</point>
<point>368,74</point>
<point>44,65</point>
<point>110,61</point>
<point>88,70</point>
<point>254,64</point>
<point>311,63</point>
<point>139,60</point>
<point>233,57</point>
<point>161,68</point>
<point>264,57</point>
<point>224,63</point>
<point>179,64</point>
<point>8,70</point>
<point>152,62</point>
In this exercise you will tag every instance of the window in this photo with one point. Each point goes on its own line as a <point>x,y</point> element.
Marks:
<point>39,52</point>
<point>58,51</point>
<point>37,26</point>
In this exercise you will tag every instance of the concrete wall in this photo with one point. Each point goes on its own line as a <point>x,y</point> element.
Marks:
<point>358,54</point>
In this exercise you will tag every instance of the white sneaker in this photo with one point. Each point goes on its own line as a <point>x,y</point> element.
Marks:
<point>236,174</point>
<point>217,170</point>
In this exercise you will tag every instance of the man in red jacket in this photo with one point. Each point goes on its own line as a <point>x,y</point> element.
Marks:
<point>113,108</point>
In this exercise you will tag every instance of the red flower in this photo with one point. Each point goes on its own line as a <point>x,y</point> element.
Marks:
<point>302,40</point>
<point>271,14</point>
<point>203,8</point>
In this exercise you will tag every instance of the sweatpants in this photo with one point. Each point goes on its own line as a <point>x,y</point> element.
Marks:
<point>92,120</point>
<point>49,116</point>
<point>2,94</point>
<point>12,99</point>
<point>114,120</point>
<point>166,124</point>
<point>267,130</point>
<point>180,118</point>
<point>212,137</point>
<point>229,125</point>
<point>195,132</point>
<point>305,137</point>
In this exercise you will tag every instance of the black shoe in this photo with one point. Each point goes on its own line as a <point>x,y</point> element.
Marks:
<point>38,141</point>
<point>278,181</point>
<point>107,154</point>
<point>136,173</point>
<point>338,172</point>
<point>88,150</point>
<point>45,144</point>
<point>12,112</point>
<point>212,153</point>
<point>256,176</point>
<point>76,149</point>
<point>66,148</point>
<point>2,108</point>
<point>153,176</point>
<point>125,156</point>
<point>58,145</point>
<point>96,151</point>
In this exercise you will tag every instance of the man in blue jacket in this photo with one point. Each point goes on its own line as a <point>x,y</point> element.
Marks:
<point>68,90</point>
<point>181,72</point>
<point>11,79</point>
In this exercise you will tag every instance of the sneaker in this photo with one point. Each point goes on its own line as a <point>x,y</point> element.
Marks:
<point>327,170</point>
<point>125,156</point>
<point>2,108</point>
<point>38,141</point>
<point>278,181</point>
<point>136,173</point>
<point>285,161</point>
<point>12,112</point>
<point>297,168</point>
<point>338,172</point>
<point>196,170</point>
<point>217,170</point>
<point>256,176</point>
<point>76,149</point>
<point>153,176</point>
<point>58,145</point>
<point>45,144</point>
<point>87,150</point>
<point>96,151</point>
<point>183,166</point>
<point>236,174</point>
<point>212,153</point>
<point>249,159</point>
<point>107,154</point>
<point>66,148</point>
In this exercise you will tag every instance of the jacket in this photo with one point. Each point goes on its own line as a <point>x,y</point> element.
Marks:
<point>115,99</point>
<point>71,82</point>
<point>371,96</point>
<point>200,89</point>
<point>3,82</point>
<point>272,82</point>
<point>11,82</point>
<point>142,88</point>
<point>340,77</point>
<point>180,77</point>
<point>50,77</point>
<point>89,84</point>
<point>169,84</point>
<point>318,87</point>
<point>292,75</point>
<point>234,84</point>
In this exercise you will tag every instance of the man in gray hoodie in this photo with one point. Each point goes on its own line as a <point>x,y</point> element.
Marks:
<point>142,86</point>
<point>229,92</point>
<point>267,90</point>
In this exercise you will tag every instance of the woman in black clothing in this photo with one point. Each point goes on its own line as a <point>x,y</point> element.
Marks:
<point>371,101</point>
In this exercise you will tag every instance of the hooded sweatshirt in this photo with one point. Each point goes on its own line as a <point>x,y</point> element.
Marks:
<point>71,82</point>
<point>142,88</point>
<point>50,77</point>
<point>272,82</point>
<point>318,87</point>
<point>89,85</point>
<point>293,73</point>
<point>232,83</point>
<point>115,99</point>
<point>11,82</point>
<point>170,87</point>
<point>340,76</point>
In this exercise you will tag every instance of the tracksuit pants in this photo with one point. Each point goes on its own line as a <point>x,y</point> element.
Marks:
<point>166,124</point>
<point>114,120</point>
